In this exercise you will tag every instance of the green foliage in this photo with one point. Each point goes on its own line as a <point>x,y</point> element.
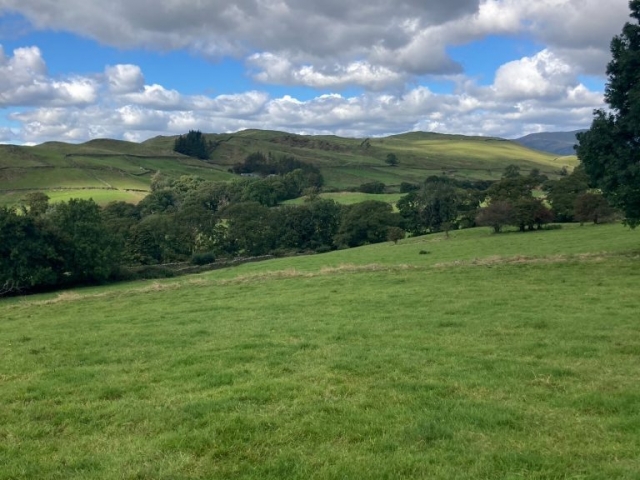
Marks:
<point>391,159</point>
<point>28,255</point>
<point>193,144</point>
<point>87,247</point>
<point>36,203</point>
<point>311,226</point>
<point>364,223</point>
<point>203,258</point>
<point>249,230</point>
<point>159,201</point>
<point>372,187</point>
<point>511,201</point>
<point>593,207</point>
<point>511,171</point>
<point>406,187</point>
<point>610,149</point>
<point>562,193</point>
<point>432,209</point>
<point>496,215</point>
<point>257,163</point>
<point>394,234</point>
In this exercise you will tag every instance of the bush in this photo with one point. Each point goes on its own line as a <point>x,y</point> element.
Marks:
<point>372,187</point>
<point>406,187</point>
<point>203,258</point>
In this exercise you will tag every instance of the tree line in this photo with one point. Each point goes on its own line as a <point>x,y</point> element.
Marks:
<point>45,245</point>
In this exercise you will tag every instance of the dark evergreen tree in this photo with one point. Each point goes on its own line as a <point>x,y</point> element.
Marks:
<point>193,144</point>
<point>610,149</point>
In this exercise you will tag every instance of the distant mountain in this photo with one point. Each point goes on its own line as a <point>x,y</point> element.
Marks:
<point>558,143</point>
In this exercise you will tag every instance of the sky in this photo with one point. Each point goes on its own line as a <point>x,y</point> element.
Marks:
<point>74,70</point>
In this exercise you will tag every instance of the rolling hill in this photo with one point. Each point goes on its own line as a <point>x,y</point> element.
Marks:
<point>117,170</point>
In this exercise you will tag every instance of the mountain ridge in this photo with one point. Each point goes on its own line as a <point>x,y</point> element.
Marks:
<point>558,143</point>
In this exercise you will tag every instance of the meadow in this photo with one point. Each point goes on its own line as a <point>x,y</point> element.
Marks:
<point>349,198</point>
<point>478,356</point>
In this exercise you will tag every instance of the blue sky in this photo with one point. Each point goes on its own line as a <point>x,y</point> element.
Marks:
<point>73,70</point>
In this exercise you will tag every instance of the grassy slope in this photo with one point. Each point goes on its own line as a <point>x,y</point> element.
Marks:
<point>104,170</point>
<point>510,356</point>
<point>349,162</point>
<point>349,198</point>
<point>124,166</point>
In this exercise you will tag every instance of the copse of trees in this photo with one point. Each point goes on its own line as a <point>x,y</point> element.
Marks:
<point>510,201</point>
<point>45,246</point>
<point>374,187</point>
<point>193,144</point>
<point>263,165</point>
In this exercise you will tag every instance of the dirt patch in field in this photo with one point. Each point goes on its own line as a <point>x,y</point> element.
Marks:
<point>495,260</point>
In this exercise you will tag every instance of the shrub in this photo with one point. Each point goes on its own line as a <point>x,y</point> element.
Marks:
<point>203,258</point>
<point>372,187</point>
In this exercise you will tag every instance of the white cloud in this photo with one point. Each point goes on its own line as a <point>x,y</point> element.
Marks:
<point>383,47</point>
<point>124,79</point>
<point>277,69</point>
<point>24,82</point>
<point>540,76</point>
<point>325,41</point>
<point>550,98</point>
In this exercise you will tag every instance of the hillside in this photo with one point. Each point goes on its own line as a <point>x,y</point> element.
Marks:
<point>481,356</point>
<point>117,170</point>
<point>557,143</point>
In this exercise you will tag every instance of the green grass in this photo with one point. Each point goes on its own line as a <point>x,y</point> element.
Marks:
<point>100,196</point>
<point>349,198</point>
<point>492,356</point>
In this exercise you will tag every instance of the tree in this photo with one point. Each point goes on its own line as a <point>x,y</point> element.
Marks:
<point>391,160</point>
<point>88,248</point>
<point>530,212</point>
<point>193,144</point>
<point>36,203</point>
<point>365,222</point>
<point>250,230</point>
<point>511,171</point>
<point>433,208</point>
<point>610,149</point>
<point>394,234</point>
<point>496,215</point>
<point>372,187</point>
<point>28,258</point>
<point>592,207</point>
<point>562,193</point>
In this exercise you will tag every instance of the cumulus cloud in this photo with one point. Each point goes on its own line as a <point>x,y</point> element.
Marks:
<point>24,82</point>
<point>542,76</point>
<point>332,42</point>
<point>385,48</point>
<point>550,98</point>
<point>277,69</point>
<point>123,79</point>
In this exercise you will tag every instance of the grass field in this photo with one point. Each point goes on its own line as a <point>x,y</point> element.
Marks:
<point>349,198</point>
<point>100,196</point>
<point>508,356</point>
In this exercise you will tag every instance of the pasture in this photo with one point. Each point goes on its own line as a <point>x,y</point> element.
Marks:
<point>480,356</point>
